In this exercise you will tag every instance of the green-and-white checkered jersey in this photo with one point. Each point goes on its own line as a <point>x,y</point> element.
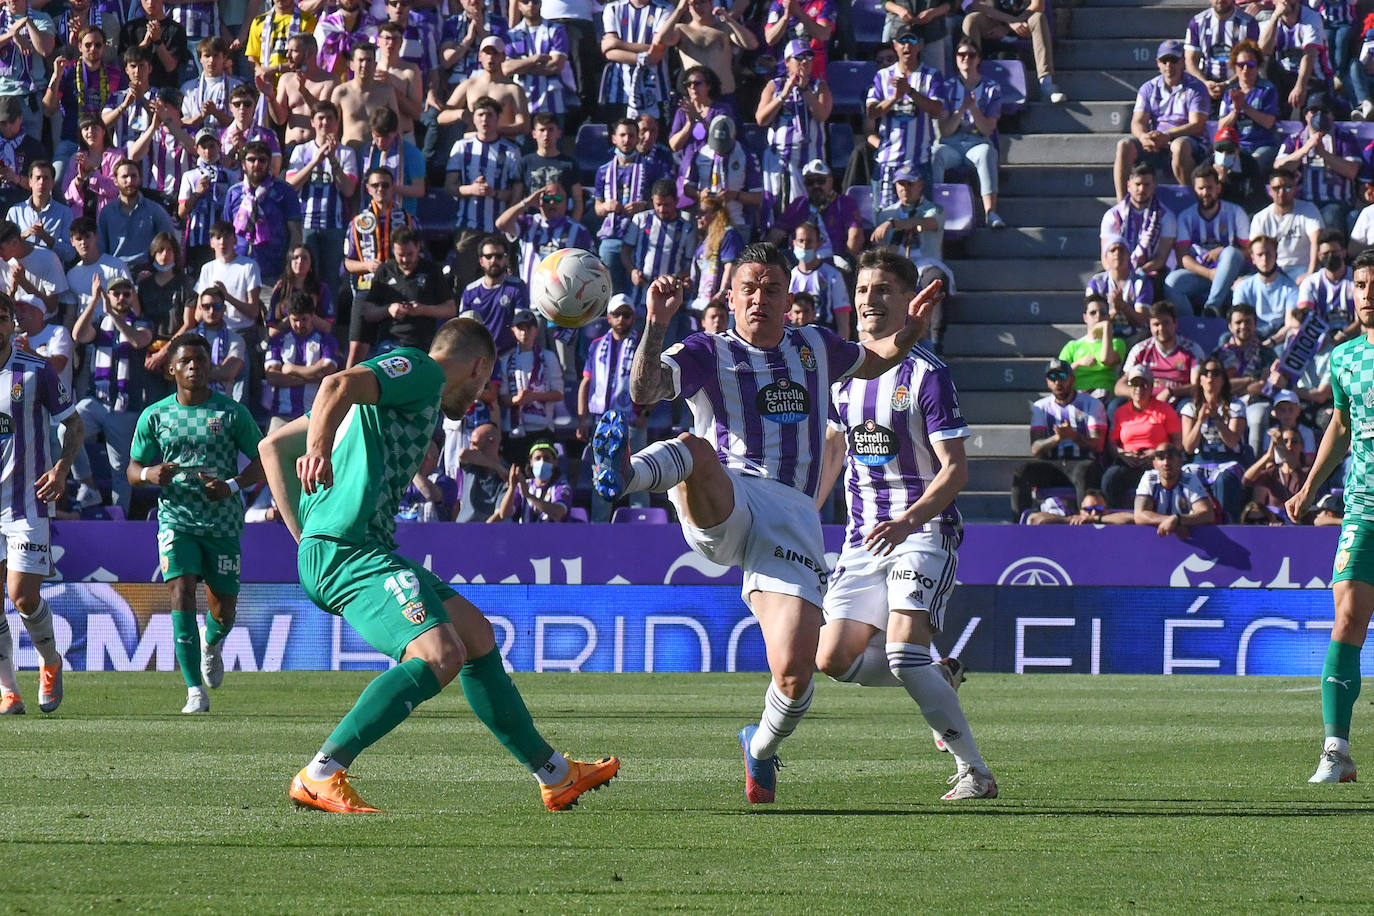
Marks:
<point>1352,391</point>
<point>205,437</point>
<point>377,450</point>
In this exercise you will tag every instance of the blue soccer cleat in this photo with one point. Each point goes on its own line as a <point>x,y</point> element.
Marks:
<point>610,458</point>
<point>760,776</point>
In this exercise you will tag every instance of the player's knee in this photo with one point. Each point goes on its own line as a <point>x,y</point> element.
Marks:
<point>25,603</point>
<point>793,684</point>
<point>446,660</point>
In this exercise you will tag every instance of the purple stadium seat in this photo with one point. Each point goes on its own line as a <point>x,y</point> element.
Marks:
<point>1175,197</point>
<point>866,20</point>
<point>650,515</point>
<point>863,196</point>
<point>436,213</point>
<point>1362,129</point>
<point>841,145</point>
<point>577,514</point>
<point>957,200</point>
<point>1205,332</point>
<point>1011,76</point>
<point>591,149</point>
<point>849,83</point>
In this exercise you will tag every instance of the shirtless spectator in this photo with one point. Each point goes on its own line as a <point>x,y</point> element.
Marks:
<point>419,35</point>
<point>1169,123</point>
<point>1172,360</point>
<point>406,78</point>
<point>490,82</point>
<point>301,84</point>
<point>362,95</point>
<point>1171,497</point>
<point>708,38</point>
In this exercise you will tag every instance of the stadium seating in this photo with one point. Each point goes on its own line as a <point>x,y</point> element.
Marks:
<point>957,199</point>
<point>866,19</point>
<point>841,145</point>
<point>1010,75</point>
<point>849,84</point>
<point>590,149</point>
<point>649,515</point>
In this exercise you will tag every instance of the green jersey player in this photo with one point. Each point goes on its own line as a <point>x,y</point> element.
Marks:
<point>338,475</point>
<point>1351,430</point>
<point>189,444</point>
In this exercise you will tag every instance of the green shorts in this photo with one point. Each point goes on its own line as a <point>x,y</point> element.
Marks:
<point>388,599</point>
<point>1354,553</point>
<point>214,558</point>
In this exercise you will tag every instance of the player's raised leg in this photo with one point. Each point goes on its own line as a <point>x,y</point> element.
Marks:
<point>221,565</point>
<point>854,652</point>
<point>24,589</point>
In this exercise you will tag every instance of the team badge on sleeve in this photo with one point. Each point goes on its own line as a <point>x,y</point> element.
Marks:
<point>17,392</point>
<point>414,611</point>
<point>395,366</point>
<point>808,359</point>
<point>674,350</point>
<point>901,398</point>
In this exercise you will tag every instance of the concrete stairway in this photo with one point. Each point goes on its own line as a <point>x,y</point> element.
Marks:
<point>1021,290</point>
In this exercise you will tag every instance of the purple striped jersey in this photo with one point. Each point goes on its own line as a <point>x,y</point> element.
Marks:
<point>1334,12</point>
<point>1214,38</point>
<point>544,92</point>
<point>496,305</point>
<point>289,349</point>
<point>16,57</point>
<point>540,238</point>
<point>626,182</point>
<point>322,204</point>
<point>195,93</point>
<point>1198,234</point>
<point>640,86</point>
<point>764,410</point>
<point>1291,42</point>
<point>166,162</point>
<point>826,284</point>
<point>499,161</point>
<point>199,19</point>
<point>891,424</point>
<point>906,133</point>
<point>133,122</point>
<point>1317,181</point>
<point>795,137</point>
<point>31,398</point>
<point>661,246</point>
<point>209,205</point>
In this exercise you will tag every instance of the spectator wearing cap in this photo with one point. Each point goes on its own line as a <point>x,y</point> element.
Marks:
<point>408,300</point>
<point>1279,473</point>
<point>1128,293</point>
<point>1286,414</point>
<point>531,387</point>
<point>200,199</point>
<point>1171,497</point>
<point>17,149</point>
<point>812,21</point>
<point>42,219</point>
<point>1246,141</point>
<point>915,226</point>
<point>1169,123</point>
<point>1268,292</point>
<point>1095,359</point>
<point>1173,360</point>
<point>794,107</point>
<point>1326,159</point>
<point>491,81</point>
<point>1211,36</point>
<point>537,492</point>
<point>1213,235</point>
<point>834,212</point>
<point>1142,221</point>
<point>996,19</point>
<point>725,170</point>
<point>1295,41</point>
<point>905,100</point>
<point>968,133</point>
<point>1293,223</point>
<point>635,78</point>
<point>496,295</point>
<point>1138,427</point>
<point>1068,437</point>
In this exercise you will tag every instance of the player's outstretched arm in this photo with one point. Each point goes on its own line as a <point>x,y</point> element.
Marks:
<point>649,381</point>
<point>886,352</point>
<point>944,486</point>
<point>52,483</point>
<point>278,454</point>
<point>1331,452</point>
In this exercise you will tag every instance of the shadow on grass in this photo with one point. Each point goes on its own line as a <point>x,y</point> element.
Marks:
<point>1286,811</point>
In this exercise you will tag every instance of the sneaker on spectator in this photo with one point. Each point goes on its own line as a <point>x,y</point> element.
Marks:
<point>1050,92</point>
<point>995,221</point>
<point>87,496</point>
<point>1363,112</point>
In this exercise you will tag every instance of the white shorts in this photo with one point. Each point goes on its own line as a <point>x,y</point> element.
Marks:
<point>28,545</point>
<point>773,535</point>
<point>917,576</point>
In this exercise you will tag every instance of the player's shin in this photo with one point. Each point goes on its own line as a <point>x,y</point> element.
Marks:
<point>39,625</point>
<point>871,668</point>
<point>660,467</point>
<point>8,682</point>
<point>385,704</point>
<point>911,664</point>
<point>215,630</point>
<point>781,715</point>
<point>187,636</point>
<point>1340,688</point>
<point>498,705</point>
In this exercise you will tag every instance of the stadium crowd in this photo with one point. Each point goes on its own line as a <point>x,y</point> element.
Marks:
<point>310,184</point>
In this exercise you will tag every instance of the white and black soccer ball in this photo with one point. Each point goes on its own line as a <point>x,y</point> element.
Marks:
<point>570,287</point>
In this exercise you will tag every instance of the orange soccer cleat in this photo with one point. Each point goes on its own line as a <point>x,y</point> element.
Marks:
<point>332,794</point>
<point>50,687</point>
<point>582,777</point>
<point>11,705</point>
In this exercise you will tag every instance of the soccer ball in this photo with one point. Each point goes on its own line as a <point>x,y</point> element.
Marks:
<point>570,287</point>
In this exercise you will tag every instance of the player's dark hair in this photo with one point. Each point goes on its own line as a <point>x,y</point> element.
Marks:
<point>1243,308</point>
<point>42,164</point>
<point>892,264</point>
<point>804,299</point>
<point>1331,237</point>
<point>545,118</point>
<point>189,340</point>
<point>1363,261</point>
<point>380,169</point>
<point>488,103</point>
<point>222,229</point>
<point>492,238</point>
<point>465,338</point>
<point>1163,309</point>
<point>82,226</point>
<point>308,39</point>
<point>1286,174</point>
<point>243,91</point>
<point>212,45</point>
<point>631,123</point>
<point>1093,297</point>
<point>762,253</point>
<point>324,107</point>
<point>256,148</point>
<point>136,55</point>
<point>664,187</point>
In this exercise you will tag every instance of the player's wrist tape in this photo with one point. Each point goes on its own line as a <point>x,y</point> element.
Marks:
<point>143,475</point>
<point>233,484</point>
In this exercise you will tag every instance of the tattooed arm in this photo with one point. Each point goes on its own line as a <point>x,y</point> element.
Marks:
<point>650,381</point>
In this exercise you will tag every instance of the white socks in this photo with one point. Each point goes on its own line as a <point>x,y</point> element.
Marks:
<point>553,772</point>
<point>780,717</point>
<point>660,467</point>
<point>39,625</point>
<point>8,682</point>
<point>871,669</point>
<point>939,703</point>
<point>323,767</point>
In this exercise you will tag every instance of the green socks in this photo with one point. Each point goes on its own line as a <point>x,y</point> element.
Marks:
<point>495,701</point>
<point>214,630</point>
<point>385,704</point>
<point>187,636</point>
<point>1340,687</point>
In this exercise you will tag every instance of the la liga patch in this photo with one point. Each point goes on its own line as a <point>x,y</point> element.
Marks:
<point>394,366</point>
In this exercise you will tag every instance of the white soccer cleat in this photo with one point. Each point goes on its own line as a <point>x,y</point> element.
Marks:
<point>197,700</point>
<point>1334,766</point>
<point>971,783</point>
<point>211,661</point>
<point>955,672</point>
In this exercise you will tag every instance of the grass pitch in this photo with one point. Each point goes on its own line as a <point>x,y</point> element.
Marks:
<point>1118,793</point>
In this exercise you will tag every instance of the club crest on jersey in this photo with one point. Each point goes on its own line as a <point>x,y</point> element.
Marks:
<point>414,611</point>
<point>1342,559</point>
<point>394,366</point>
<point>215,425</point>
<point>1368,397</point>
<point>808,359</point>
<point>17,392</point>
<point>901,398</point>
<point>872,444</point>
<point>783,402</point>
